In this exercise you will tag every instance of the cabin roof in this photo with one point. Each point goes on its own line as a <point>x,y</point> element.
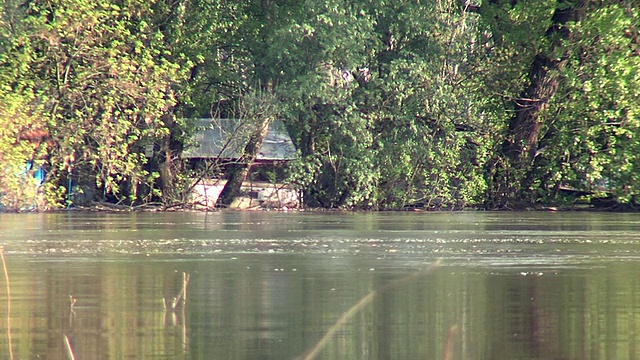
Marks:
<point>226,138</point>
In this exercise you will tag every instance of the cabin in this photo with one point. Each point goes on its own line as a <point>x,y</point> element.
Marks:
<point>224,140</point>
<point>218,143</point>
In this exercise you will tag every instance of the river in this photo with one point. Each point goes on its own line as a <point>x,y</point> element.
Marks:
<point>275,285</point>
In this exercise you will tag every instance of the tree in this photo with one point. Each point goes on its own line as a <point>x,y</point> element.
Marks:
<point>21,127</point>
<point>321,49</point>
<point>257,106</point>
<point>521,142</point>
<point>430,128</point>
<point>99,84</point>
<point>597,126</point>
<point>202,38</point>
<point>258,111</point>
<point>382,110</point>
<point>547,144</point>
<point>225,45</point>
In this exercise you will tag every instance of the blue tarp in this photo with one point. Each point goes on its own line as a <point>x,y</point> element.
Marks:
<point>39,174</point>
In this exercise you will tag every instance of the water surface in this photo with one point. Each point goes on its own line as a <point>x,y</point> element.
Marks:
<point>268,285</point>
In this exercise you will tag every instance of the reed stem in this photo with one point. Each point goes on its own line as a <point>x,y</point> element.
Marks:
<point>70,353</point>
<point>448,347</point>
<point>313,352</point>
<point>6,277</point>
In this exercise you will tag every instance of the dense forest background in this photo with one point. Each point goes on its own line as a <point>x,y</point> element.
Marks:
<point>444,104</point>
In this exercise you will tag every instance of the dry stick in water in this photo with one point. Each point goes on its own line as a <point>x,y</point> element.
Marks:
<point>364,301</point>
<point>72,302</point>
<point>6,277</point>
<point>182,295</point>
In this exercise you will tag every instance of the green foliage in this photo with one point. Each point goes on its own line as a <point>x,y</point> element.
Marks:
<point>390,104</point>
<point>409,134</point>
<point>18,189</point>
<point>100,83</point>
<point>18,115</point>
<point>598,121</point>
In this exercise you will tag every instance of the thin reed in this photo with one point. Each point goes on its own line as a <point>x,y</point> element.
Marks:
<point>70,352</point>
<point>313,352</point>
<point>448,347</point>
<point>6,277</point>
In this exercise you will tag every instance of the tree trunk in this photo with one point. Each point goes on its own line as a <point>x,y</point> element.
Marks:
<point>516,172</point>
<point>237,173</point>
<point>170,148</point>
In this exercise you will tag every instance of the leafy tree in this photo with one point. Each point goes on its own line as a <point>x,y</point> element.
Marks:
<point>391,104</point>
<point>431,130</point>
<point>379,107</point>
<point>521,142</point>
<point>551,139</point>
<point>598,114</point>
<point>225,46</point>
<point>202,37</point>
<point>101,83</point>
<point>21,125</point>
<point>316,55</point>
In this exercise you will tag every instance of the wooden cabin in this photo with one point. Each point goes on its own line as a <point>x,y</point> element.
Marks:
<point>220,143</point>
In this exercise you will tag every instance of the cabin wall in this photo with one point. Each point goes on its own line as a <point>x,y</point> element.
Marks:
<point>254,195</point>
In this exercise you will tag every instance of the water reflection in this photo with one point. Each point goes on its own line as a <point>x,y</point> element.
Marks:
<point>270,285</point>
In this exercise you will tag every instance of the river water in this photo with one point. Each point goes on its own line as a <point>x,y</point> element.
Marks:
<point>273,285</point>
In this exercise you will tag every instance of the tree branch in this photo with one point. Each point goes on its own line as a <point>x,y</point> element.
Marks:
<point>468,7</point>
